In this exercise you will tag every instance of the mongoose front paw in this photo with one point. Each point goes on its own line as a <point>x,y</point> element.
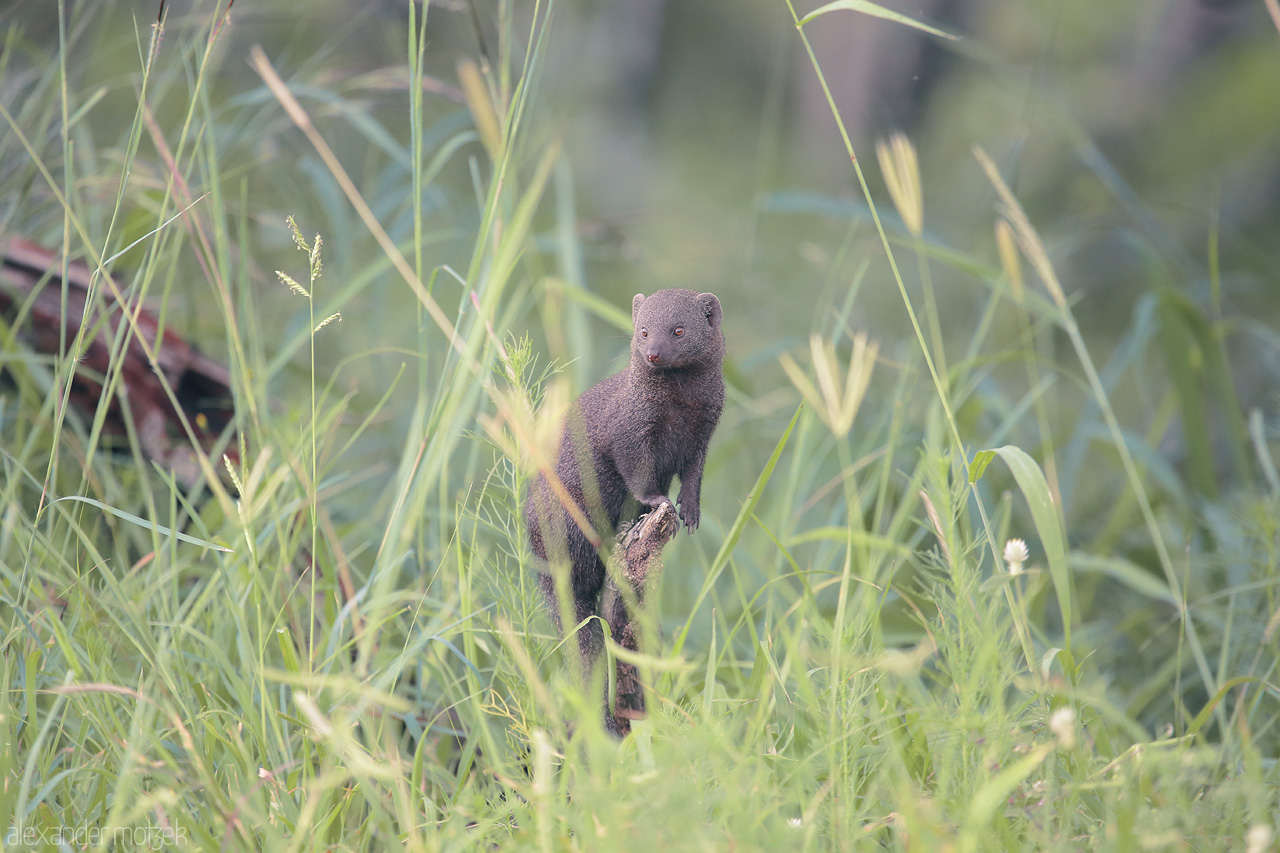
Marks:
<point>689,514</point>
<point>653,503</point>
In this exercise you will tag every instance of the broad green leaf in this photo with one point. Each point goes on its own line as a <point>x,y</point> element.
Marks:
<point>875,10</point>
<point>149,525</point>
<point>1047,659</point>
<point>978,466</point>
<point>1203,717</point>
<point>1045,515</point>
<point>1131,575</point>
<point>287,651</point>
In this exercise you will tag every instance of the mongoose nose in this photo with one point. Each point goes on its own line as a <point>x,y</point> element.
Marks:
<point>653,357</point>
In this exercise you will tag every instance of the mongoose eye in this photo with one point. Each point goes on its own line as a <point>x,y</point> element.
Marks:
<point>679,331</point>
<point>644,333</point>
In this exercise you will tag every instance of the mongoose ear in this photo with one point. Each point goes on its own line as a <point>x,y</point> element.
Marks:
<point>635,306</point>
<point>710,306</point>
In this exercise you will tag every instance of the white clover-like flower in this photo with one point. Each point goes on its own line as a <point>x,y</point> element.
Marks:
<point>1016,555</point>
<point>1258,838</point>
<point>1062,723</point>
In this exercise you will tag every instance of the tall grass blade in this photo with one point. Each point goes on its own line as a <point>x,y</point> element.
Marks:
<point>875,10</point>
<point>147,525</point>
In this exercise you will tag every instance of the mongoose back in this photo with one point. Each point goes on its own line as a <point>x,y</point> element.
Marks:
<point>626,438</point>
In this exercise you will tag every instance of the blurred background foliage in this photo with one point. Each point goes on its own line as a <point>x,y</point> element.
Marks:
<point>698,150</point>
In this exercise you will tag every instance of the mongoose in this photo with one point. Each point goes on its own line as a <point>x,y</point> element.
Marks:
<point>624,440</point>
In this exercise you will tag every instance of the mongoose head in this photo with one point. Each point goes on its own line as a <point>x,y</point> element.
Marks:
<point>676,328</point>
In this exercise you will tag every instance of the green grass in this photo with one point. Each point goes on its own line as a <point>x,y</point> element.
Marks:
<point>847,662</point>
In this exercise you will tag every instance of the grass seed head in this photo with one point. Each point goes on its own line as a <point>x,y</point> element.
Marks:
<point>292,285</point>
<point>1010,260</point>
<point>901,172</point>
<point>835,399</point>
<point>336,317</point>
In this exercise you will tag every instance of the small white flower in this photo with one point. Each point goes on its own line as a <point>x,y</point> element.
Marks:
<point>1015,555</point>
<point>1063,725</point>
<point>1258,838</point>
<point>798,822</point>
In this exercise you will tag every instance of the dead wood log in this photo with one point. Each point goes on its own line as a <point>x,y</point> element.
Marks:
<point>32,304</point>
<point>637,562</point>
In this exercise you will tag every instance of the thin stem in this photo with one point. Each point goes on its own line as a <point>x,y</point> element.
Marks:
<point>931,304</point>
<point>315,488</point>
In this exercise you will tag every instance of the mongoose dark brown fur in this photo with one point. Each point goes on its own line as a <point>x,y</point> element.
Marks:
<point>623,442</point>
